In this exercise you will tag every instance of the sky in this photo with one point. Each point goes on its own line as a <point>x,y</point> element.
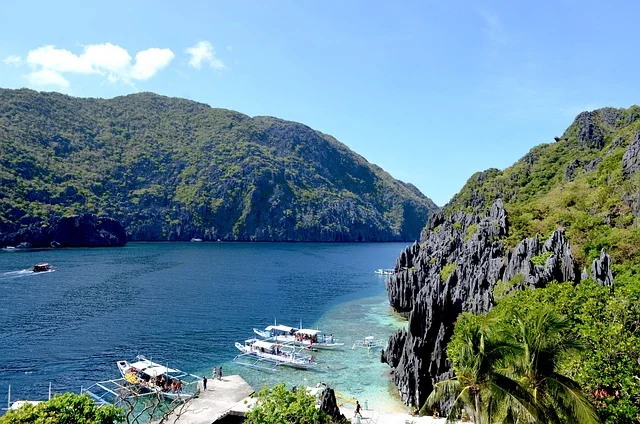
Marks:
<point>431,91</point>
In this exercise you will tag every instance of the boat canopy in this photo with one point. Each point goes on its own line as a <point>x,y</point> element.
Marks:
<point>369,338</point>
<point>309,332</point>
<point>264,345</point>
<point>152,369</point>
<point>280,328</point>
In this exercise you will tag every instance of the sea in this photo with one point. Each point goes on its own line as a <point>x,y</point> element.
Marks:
<point>185,305</point>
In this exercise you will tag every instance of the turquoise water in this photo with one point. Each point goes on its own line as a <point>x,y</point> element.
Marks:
<point>186,304</point>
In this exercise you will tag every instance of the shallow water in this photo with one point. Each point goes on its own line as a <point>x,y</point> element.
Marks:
<point>186,304</point>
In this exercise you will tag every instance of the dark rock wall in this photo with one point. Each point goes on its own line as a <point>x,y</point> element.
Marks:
<point>469,248</point>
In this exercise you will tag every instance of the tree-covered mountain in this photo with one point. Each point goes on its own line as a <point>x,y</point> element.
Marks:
<point>173,169</point>
<point>557,231</point>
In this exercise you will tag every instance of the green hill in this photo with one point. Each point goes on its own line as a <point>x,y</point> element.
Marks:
<point>585,182</point>
<point>173,169</point>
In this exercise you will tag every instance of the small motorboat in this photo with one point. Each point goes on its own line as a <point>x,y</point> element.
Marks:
<point>384,271</point>
<point>43,267</point>
<point>196,240</point>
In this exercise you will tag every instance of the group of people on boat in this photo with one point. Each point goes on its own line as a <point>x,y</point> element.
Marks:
<point>162,382</point>
<point>312,338</point>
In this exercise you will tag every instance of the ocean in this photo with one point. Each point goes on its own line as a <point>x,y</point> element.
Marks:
<point>185,305</point>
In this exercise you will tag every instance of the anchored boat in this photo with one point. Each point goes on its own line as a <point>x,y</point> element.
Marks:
<point>268,356</point>
<point>145,378</point>
<point>304,337</point>
<point>384,271</point>
<point>369,343</point>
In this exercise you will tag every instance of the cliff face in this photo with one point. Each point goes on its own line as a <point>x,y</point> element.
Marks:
<point>173,169</point>
<point>460,266</point>
<point>581,191</point>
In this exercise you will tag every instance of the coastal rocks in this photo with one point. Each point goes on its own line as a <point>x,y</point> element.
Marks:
<point>329,405</point>
<point>601,270</point>
<point>78,231</point>
<point>631,158</point>
<point>455,269</point>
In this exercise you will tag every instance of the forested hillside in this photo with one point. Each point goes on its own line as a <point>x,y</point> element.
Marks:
<point>525,288</point>
<point>173,169</point>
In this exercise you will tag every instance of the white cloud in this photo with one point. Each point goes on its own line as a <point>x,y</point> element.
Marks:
<point>49,63</point>
<point>203,52</point>
<point>13,60</point>
<point>47,77</point>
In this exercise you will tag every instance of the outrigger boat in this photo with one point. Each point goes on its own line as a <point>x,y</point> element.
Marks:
<point>369,343</point>
<point>268,356</point>
<point>304,337</point>
<point>384,271</point>
<point>145,378</point>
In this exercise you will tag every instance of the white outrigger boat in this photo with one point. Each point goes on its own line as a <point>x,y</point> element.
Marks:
<point>369,343</point>
<point>268,356</point>
<point>145,378</point>
<point>384,271</point>
<point>304,337</point>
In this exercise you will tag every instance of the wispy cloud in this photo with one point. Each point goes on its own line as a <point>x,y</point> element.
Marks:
<point>204,53</point>
<point>13,60</point>
<point>494,29</point>
<point>49,64</point>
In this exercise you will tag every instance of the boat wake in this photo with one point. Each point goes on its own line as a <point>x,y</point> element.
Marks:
<point>22,273</point>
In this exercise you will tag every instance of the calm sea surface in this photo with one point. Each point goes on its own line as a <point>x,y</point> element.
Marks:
<point>186,304</point>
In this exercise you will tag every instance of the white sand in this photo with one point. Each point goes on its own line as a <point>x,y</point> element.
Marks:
<point>370,416</point>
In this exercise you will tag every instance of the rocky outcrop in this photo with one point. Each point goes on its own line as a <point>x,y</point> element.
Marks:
<point>589,133</point>
<point>329,405</point>
<point>631,158</point>
<point>455,269</point>
<point>601,270</point>
<point>78,231</point>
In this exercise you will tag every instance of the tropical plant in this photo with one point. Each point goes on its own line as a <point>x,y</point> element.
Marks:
<point>277,405</point>
<point>69,408</point>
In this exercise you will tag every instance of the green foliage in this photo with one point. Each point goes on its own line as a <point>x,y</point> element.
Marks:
<point>605,324</point>
<point>446,271</point>
<point>457,225</point>
<point>502,288</point>
<point>173,168</point>
<point>510,371</point>
<point>541,259</point>
<point>278,405</point>
<point>68,408</point>
<point>471,230</point>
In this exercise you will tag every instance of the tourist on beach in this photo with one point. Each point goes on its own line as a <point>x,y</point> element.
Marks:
<point>215,373</point>
<point>357,410</point>
<point>204,382</point>
<point>220,373</point>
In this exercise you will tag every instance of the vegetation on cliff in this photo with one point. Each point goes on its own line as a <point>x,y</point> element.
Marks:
<point>587,183</point>
<point>173,169</point>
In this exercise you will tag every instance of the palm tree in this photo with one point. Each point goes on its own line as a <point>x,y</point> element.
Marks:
<point>478,388</point>
<point>543,339</point>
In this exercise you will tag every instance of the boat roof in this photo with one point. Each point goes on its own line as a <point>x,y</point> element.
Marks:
<point>369,338</point>
<point>263,344</point>
<point>279,327</point>
<point>152,369</point>
<point>309,331</point>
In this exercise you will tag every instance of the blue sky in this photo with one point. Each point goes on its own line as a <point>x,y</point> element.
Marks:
<point>430,91</point>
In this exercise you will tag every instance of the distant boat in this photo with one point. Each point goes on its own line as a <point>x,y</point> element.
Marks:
<point>43,267</point>
<point>196,239</point>
<point>10,249</point>
<point>369,343</point>
<point>384,271</point>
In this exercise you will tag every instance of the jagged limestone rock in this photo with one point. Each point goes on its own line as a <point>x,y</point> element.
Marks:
<point>329,405</point>
<point>589,133</point>
<point>455,269</point>
<point>631,158</point>
<point>601,270</point>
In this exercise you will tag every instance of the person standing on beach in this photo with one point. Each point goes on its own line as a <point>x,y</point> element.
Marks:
<point>204,382</point>
<point>220,373</point>
<point>357,410</point>
<point>215,373</point>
